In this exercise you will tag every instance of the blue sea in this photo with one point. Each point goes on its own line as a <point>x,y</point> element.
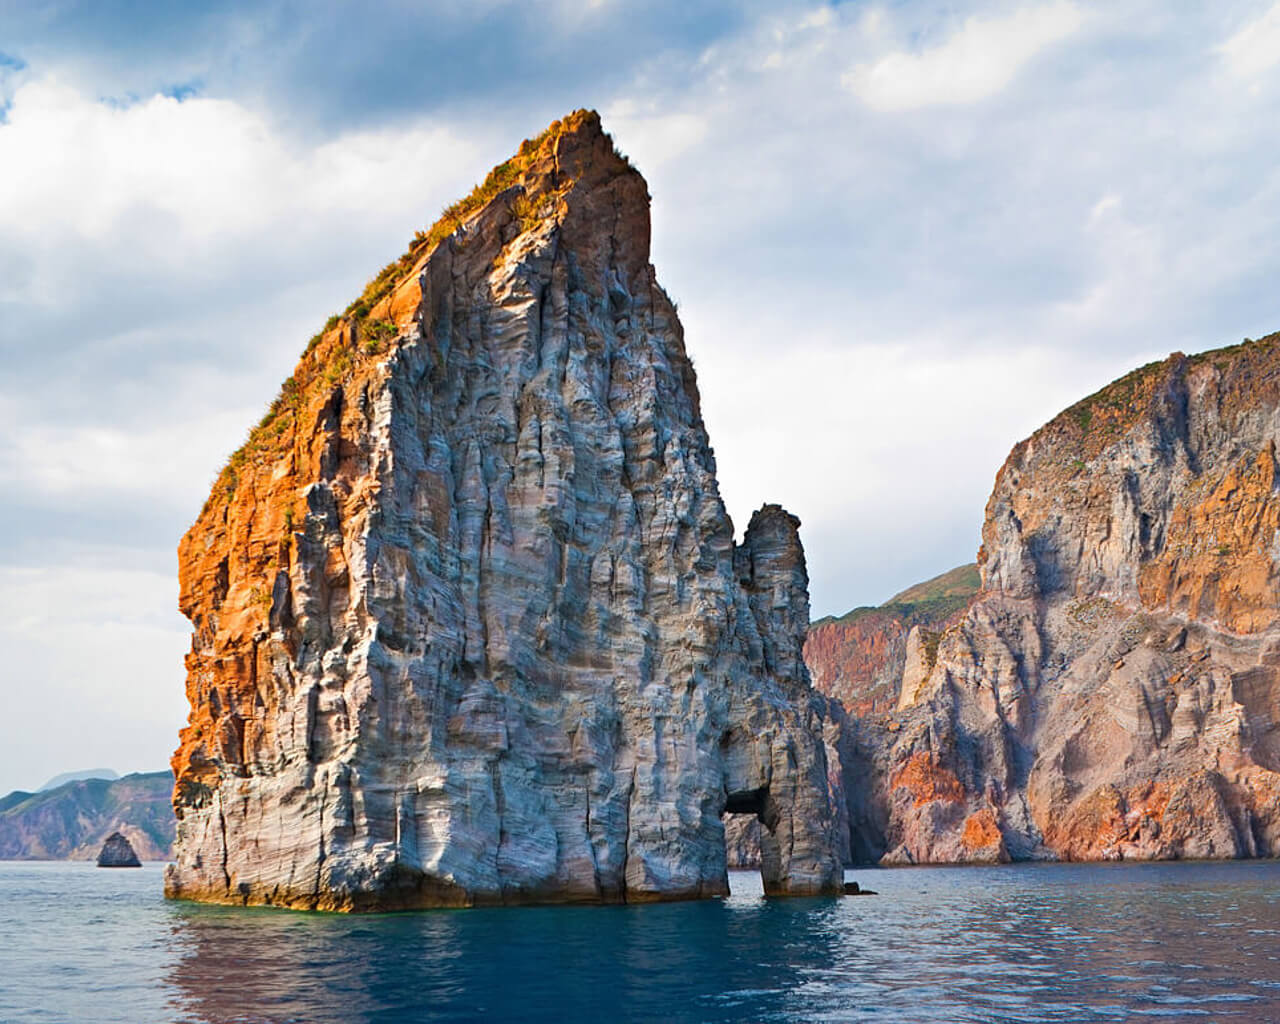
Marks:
<point>1168,942</point>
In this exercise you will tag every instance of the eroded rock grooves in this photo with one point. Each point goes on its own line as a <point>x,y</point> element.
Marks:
<point>1114,691</point>
<point>470,625</point>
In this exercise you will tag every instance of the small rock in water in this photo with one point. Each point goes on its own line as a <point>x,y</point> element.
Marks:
<point>117,852</point>
<point>853,889</point>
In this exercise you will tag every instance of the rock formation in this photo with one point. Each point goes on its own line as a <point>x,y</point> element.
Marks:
<point>1114,691</point>
<point>859,661</point>
<point>68,821</point>
<point>118,853</point>
<point>859,657</point>
<point>469,622</point>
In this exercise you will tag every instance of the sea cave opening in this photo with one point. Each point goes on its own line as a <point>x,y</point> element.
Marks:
<point>746,835</point>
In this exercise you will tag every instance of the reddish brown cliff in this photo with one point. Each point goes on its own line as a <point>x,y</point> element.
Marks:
<point>858,657</point>
<point>1113,691</point>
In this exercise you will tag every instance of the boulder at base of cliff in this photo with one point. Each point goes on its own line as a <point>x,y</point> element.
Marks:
<point>117,852</point>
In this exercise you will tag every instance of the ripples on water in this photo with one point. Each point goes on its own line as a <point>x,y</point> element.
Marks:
<point>1024,943</point>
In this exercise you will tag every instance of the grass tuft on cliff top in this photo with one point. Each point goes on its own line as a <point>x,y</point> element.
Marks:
<point>368,337</point>
<point>1113,409</point>
<point>923,603</point>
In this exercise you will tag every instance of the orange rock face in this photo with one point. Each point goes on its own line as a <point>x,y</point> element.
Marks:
<point>931,818</point>
<point>855,662</point>
<point>1217,564</point>
<point>1168,819</point>
<point>235,564</point>
<point>925,781</point>
<point>981,831</point>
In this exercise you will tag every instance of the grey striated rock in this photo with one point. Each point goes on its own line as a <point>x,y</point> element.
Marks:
<point>470,626</point>
<point>118,853</point>
<point>743,832</point>
<point>742,841</point>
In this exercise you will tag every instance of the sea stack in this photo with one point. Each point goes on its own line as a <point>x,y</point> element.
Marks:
<point>469,622</point>
<point>1113,693</point>
<point>117,852</point>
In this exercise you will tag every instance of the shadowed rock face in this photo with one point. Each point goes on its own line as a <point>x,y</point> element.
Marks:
<point>470,625</point>
<point>1114,691</point>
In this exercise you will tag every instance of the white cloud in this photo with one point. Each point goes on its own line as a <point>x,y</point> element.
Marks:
<point>170,260</point>
<point>171,187</point>
<point>976,62</point>
<point>140,462</point>
<point>1109,204</point>
<point>886,452</point>
<point>660,136</point>
<point>879,307</point>
<point>1256,47</point>
<point>93,672</point>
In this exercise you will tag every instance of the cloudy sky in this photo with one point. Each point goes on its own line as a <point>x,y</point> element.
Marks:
<point>902,235</point>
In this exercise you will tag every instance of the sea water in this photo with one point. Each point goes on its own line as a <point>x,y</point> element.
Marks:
<point>1022,943</point>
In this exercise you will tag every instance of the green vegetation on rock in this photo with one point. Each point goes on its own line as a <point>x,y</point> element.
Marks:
<point>1111,410</point>
<point>930,601</point>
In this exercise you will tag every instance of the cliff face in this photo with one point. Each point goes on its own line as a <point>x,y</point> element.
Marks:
<point>1114,693</point>
<point>469,624</point>
<point>859,657</point>
<point>71,821</point>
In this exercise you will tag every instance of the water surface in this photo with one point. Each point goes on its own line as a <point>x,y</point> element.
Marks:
<point>1024,943</point>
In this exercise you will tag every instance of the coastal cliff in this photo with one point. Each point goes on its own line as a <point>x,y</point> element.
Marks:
<point>469,622</point>
<point>859,657</point>
<point>1114,690</point>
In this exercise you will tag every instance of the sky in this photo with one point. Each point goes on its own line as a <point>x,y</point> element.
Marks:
<point>902,235</point>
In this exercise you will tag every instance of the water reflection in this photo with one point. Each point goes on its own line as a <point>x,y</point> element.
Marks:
<point>1062,943</point>
<point>1052,943</point>
<point>701,961</point>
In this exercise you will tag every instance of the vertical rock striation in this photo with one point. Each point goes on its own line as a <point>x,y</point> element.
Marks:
<point>1114,691</point>
<point>470,625</point>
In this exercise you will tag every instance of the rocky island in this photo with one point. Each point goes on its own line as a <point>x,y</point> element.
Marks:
<point>469,622</point>
<point>69,820</point>
<point>118,853</point>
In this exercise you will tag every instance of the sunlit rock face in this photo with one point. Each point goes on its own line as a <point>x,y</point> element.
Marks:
<point>1114,691</point>
<point>470,625</point>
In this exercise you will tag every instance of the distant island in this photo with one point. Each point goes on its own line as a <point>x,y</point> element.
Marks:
<point>89,773</point>
<point>72,820</point>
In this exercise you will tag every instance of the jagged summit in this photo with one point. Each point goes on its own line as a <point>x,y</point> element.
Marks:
<point>469,625</point>
<point>533,186</point>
